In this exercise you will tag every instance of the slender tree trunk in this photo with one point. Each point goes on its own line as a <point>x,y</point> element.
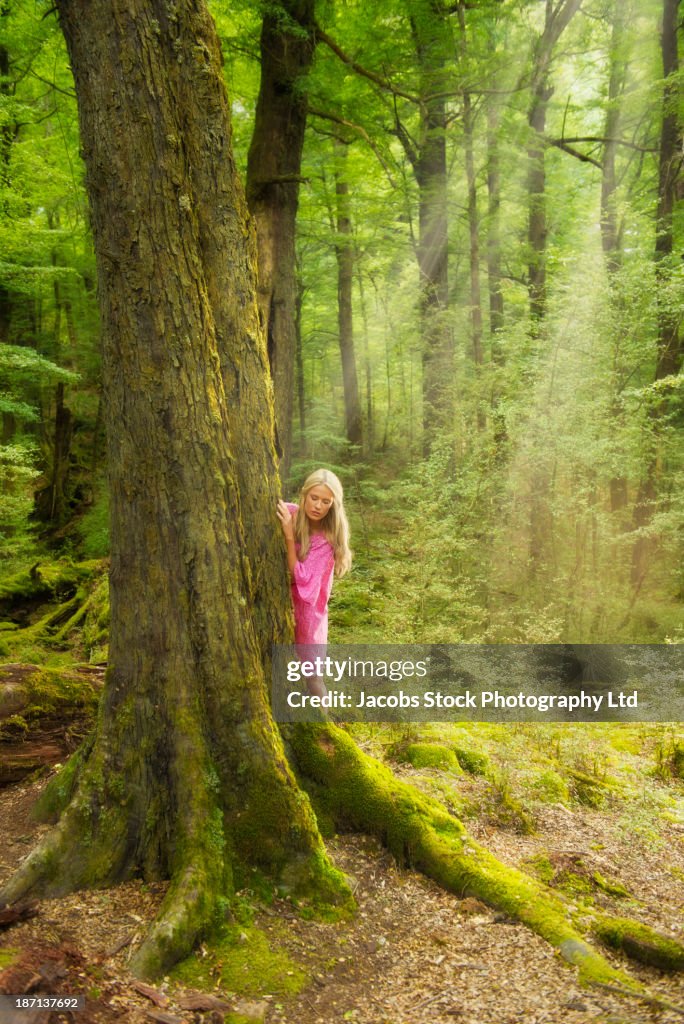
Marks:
<point>299,364</point>
<point>494,274</point>
<point>669,355</point>
<point>557,18</point>
<point>344,251</point>
<point>187,776</point>
<point>434,49</point>
<point>669,175</point>
<point>7,134</point>
<point>473,226</point>
<point>536,190</point>
<point>273,177</point>
<point>368,371</point>
<point>610,231</point>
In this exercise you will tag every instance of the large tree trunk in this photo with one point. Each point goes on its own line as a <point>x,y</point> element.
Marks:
<point>273,176</point>
<point>187,776</point>
<point>344,251</point>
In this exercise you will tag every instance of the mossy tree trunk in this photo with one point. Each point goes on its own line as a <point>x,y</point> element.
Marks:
<point>273,178</point>
<point>187,777</point>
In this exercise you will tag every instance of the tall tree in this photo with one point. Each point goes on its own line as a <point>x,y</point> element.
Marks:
<point>473,219</point>
<point>434,48</point>
<point>187,773</point>
<point>557,17</point>
<point>669,345</point>
<point>344,251</point>
<point>273,178</point>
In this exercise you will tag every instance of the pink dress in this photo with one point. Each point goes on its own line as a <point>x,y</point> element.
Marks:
<point>311,588</point>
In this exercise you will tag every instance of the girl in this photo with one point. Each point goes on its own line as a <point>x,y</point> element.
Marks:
<point>317,538</point>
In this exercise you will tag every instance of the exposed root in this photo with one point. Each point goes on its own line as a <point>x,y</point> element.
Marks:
<point>188,912</point>
<point>359,792</point>
<point>639,942</point>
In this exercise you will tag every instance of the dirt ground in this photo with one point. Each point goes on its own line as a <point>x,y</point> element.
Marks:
<point>413,954</point>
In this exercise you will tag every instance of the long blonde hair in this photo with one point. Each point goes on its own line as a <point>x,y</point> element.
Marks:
<point>335,525</point>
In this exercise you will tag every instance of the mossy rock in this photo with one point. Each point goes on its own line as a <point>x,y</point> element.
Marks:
<point>428,755</point>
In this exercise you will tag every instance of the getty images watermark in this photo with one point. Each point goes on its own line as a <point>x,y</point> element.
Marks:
<point>495,682</point>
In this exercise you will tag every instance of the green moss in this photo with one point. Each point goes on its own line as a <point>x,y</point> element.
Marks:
<point>550,787</point>
<point>242,960</point>
<point>59,790</point>
<point>542,868</point>
<point>7,957</point>
<point>471,761</point>
<point>610,887</point>
<point>365,795</point>
<point>591,791</point>
<point>428,755</point>
<point>49,579</point>
<point>640,942</point>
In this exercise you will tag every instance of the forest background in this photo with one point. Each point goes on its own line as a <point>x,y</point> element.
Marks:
<point>484,307</point>
<point>467,222</point>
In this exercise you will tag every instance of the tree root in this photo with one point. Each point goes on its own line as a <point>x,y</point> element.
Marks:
<point>359,792</point>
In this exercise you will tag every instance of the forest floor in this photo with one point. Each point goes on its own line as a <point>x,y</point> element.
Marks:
<point>412,954</point>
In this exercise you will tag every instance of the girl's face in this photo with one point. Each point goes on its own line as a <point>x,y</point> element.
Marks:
<point>318,503</point>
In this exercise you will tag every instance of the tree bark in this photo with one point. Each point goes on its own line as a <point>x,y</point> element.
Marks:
<point>473,226</point>
<point>669,174</point>
<point>344,251</point>
<point>273,177</point>
<point>187,776</point>
<point>494,273</point>
<point>556,21</point>
<point>669,353</point>
<point>610,231</point>
<point>434,49</point>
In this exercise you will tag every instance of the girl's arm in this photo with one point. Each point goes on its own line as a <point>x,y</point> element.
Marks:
<point>285,518</point>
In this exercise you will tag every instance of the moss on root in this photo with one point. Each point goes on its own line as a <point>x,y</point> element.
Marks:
<point>241,959</point>
<point>639,942</point>
<point>361,793</point>
<point>56,796</point>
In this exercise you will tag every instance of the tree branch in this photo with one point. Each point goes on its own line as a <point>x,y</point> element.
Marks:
<point>372,76</point>
<point>361,131</point>
<point>603,139</point>
<point>562,144</point>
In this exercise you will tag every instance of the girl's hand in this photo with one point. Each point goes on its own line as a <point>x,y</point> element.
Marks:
<point>286,521</point>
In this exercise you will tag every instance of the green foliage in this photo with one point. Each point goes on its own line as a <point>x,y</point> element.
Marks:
<point>94,526</point>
